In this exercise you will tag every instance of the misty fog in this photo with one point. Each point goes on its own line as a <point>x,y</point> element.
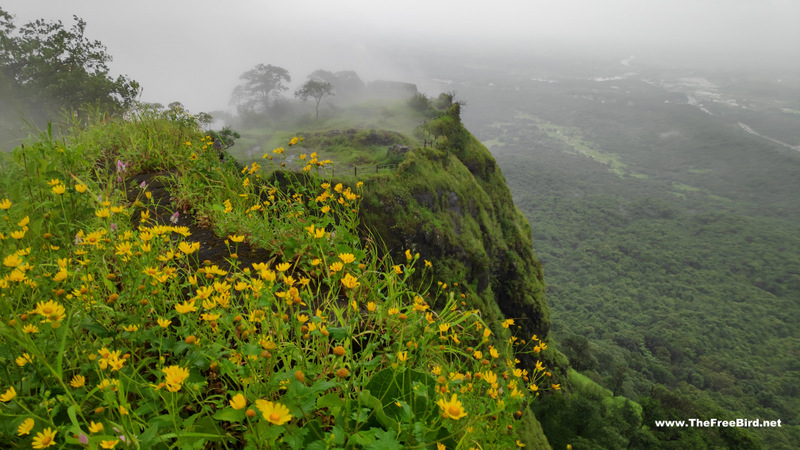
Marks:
<point>194,52</point>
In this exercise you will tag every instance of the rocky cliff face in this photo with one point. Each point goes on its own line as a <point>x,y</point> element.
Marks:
<point>451,204</point>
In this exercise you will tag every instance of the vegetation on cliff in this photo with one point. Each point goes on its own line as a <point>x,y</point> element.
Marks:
<point>157,297</point>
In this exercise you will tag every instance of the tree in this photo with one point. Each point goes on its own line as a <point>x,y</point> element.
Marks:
<point>316,90</point>
<point>260,83</point>
<point>47,65</point>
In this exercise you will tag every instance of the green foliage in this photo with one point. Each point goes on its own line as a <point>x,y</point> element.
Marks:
<point>453,204</point>
<point>48,66</point>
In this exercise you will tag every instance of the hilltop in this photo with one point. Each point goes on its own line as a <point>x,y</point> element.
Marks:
<point>159,295</point>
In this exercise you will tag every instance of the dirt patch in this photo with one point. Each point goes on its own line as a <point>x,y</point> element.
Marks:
<point>212,247</point>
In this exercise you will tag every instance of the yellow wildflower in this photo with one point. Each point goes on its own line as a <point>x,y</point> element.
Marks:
<point>45,438</point>
<point>25,427</point>
<point>347,257</point>
<point>95,427</point>
<point>186,307</point>
<point>274,413</point>
<point>8,395</point>
<point>174,376</point>
<point>12,260</point>
<point>452,409</point>
<point>350,281</point>
<point>77,381</point>
<point>238,401</point>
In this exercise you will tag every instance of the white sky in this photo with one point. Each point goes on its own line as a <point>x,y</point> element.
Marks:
<point>194,51</point>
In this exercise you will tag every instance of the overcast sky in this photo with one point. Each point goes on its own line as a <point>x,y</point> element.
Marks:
<point>194,51</point>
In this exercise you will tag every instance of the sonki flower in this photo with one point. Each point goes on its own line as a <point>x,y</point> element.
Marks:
<point>274,413</point>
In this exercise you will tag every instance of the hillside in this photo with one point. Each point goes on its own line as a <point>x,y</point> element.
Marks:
<point>158,295</point>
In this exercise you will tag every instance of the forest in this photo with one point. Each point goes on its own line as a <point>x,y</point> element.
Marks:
<point>668,235</point>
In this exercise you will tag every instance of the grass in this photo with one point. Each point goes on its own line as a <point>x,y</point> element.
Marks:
<point>116,334</point>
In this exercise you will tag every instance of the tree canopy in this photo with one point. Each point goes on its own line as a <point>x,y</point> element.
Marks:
<point>258,86</point>
<point>46,65</point>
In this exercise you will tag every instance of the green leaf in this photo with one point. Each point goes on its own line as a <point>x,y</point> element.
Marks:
<point>385,441</point>
<point>92,326</point>
<point>331,401</point>
<point>367,399</point>
<point>337,333</point>
<point>230,415</point>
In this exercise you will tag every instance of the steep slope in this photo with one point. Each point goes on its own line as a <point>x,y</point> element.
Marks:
<point>452,203</point>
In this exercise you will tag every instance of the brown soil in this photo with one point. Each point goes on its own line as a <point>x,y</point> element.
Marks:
<point>212,247</point>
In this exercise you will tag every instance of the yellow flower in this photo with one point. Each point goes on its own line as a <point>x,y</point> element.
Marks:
<point>5,204</point>
<point>54,182</point>
<point>350,281</point>
<point>51,311</point>
<point>336,266</point>
<point>130,328</point>
<point>188,248</point>
<point>44,439</point>
<point>236,238</point>
<point>238,401</point>
<point>25,427</point>
<point>174,376</point>
<point>109,444</point>
<point>59,189</point>
<point>452,409</point>
<point>102,213</point>
<point>283,267</point>
<point>95,427</point>
<point>8,395</point>
<point>164,323</point>
<point>274,413</point>
<point>81,188</point>
<point>24,359</point>
<point>409,256</point>
<point>347,257</point>
<point>18,234</point>
<point>186,307</point>
<point>77,381</point>
<point>61,275</point>
<point>371,306</point>
<point>402,356</point>
<point>30,329</point>
<point>507,323</point>
<point>12,260</point>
